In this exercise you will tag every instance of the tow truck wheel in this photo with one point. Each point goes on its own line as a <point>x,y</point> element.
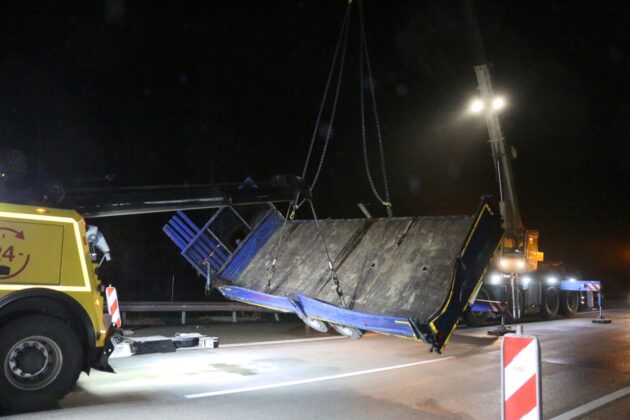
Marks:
<point>550,304</point>
<point>41,361</point>
<point>569,303</point>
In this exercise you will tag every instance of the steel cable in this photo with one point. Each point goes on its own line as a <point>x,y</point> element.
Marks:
<point>364,64</point>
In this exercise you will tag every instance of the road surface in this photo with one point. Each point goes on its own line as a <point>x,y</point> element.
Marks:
<point>280,370</point>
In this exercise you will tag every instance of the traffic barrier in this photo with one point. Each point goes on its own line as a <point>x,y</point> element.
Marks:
<point>186,307</point>
<point>521,387</point>
<point>112,306</point>
<point>591,286</point>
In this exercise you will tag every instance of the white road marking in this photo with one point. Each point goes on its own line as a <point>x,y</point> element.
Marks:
<point>587,408</point>
<point>313,380</point>
<point>266,343</point>
<point>296,340</point>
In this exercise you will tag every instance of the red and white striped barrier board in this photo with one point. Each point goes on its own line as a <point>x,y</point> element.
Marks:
<point>496,306</point>
<point>593,287</point>
<point>520,377</point>
<point>112,306</point>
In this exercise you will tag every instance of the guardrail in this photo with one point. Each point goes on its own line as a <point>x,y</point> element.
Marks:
<point>185,307</point>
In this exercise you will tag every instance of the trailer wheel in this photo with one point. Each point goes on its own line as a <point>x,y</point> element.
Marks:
<point>569,303</point>
<point>350,332</point>
<point>41,361</point>
<point>550,304</point>
<point>475,319</point>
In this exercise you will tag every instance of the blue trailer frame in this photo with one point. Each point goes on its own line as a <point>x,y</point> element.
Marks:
<point>204,250</point>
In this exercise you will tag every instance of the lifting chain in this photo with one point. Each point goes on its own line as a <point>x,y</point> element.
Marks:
<point>272,269</point>
<point>331,266</point>
<point>364,63</point>
<point>340,53</point>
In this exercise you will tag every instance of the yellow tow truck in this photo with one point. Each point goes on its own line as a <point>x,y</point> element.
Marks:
<point>52,321</point>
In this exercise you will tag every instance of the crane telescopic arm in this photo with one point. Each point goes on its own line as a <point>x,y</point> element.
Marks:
<point>501,152</point>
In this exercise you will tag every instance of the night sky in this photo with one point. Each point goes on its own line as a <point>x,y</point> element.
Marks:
<point>167,92</point>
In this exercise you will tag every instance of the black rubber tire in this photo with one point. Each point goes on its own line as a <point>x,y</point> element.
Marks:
<point>569,303</point>
<point>550,303</point>
<point>15,399</point>
<point>350,332</point>
<point>476,319</point>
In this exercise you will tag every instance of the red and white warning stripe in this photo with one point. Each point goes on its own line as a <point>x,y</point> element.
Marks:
<point>593,287</point>
<point>496,306</point>
<point>521,377</point>
<point>112,306</point>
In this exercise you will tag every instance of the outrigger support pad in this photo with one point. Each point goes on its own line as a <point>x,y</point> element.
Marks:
<point>502,329</point>
<point>600,318</point>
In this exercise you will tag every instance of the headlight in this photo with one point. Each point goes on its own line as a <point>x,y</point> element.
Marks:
<point>515,264</point>
<point>552,280</point>
<point>495,279</point>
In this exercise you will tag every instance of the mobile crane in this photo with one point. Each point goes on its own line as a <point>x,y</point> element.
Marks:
<point>516,281</point>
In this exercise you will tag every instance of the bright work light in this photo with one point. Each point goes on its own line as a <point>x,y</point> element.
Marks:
<point>476,106</point>
<point>498,103</point>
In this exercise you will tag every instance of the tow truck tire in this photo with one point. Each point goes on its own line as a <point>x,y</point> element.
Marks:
<point>41,361</point>
<point>550,303</point>
<point>569,303</point>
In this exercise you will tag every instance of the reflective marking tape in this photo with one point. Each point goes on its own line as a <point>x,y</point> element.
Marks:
<point>112,306</point>
<point>497,306</point>
<point>520,377</point>
<point>593,287</point>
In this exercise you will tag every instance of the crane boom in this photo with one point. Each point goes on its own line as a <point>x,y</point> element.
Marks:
<point>501,152</point>
<point>519,251</point>
<point>501,155</point>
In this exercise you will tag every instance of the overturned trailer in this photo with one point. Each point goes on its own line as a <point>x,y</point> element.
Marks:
<point>411,277</point>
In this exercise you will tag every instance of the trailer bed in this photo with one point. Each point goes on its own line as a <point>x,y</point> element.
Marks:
<point>410,276</point>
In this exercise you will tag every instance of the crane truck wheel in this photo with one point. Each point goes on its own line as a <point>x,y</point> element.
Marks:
<point>569,303</point>
<point>475,319</point>
<point>550,303</point>
<point>41,362</point>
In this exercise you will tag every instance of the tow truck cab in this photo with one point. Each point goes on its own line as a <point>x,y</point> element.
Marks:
<point>52,325</point>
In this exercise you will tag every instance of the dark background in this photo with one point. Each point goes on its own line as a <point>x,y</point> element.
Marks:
<point>167,92</point>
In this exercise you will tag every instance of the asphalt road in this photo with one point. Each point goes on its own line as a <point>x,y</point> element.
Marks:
<point>301,375</point>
